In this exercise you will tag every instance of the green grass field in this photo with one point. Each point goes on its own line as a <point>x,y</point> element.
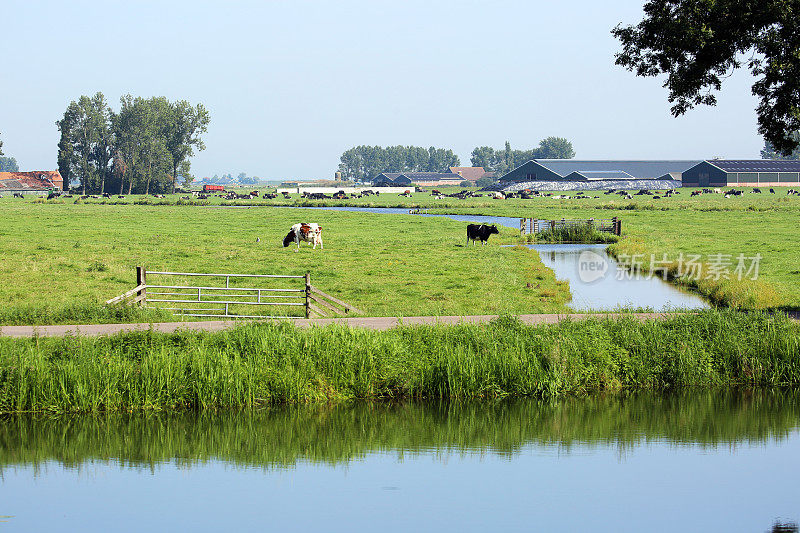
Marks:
<point>59,256</point>
<point>60,259</point>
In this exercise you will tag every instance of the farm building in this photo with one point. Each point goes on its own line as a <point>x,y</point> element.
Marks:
<point>472,174</point>
<point>35,182</point>
<point>563,174</point>
<point>389,179</point>
<point>744,172</point>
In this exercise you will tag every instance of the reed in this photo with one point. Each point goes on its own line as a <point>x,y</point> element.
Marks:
<point>262,364</point>
<point>574,233</point>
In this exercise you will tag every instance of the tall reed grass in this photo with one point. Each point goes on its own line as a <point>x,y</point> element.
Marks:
<point>261,364</point>
<point>574,233</point>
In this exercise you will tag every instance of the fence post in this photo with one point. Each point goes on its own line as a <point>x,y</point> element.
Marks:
<point>308,294</point>
<point>141,279</point>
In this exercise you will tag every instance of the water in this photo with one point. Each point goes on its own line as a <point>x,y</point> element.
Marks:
<point>616,287</point>
<point>510,222</point>
<point>708,461</point>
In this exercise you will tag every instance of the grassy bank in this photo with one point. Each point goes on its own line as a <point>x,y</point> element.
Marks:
<point>277,363</point>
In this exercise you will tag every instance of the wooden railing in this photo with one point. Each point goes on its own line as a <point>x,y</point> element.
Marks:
<point>230,301</point>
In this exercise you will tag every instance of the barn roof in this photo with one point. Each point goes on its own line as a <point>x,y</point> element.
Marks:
<point>469,173</point>
<point>39,180</point>
<point>640,169</point>
<point>417,176</point>
<point>756,165</point>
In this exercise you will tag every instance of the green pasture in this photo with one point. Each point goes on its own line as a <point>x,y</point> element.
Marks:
<point>58,256</point>
<point>62,258</point>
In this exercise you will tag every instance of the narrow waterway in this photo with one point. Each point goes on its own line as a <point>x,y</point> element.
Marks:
<point>598,282</point>
<point>692,461</point>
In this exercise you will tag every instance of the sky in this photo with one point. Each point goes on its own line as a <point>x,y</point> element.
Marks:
<point>291,85</point>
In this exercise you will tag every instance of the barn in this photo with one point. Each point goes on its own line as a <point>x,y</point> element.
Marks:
<point>564,174</point>
<point>36,182</point>
<point>389,179</point>
<point>743,172</point>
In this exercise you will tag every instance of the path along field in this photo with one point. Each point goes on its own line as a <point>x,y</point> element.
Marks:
<point>57,257</point>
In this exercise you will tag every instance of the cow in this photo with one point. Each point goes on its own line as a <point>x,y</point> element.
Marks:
<point>480,232</point>
<point>308,232</point>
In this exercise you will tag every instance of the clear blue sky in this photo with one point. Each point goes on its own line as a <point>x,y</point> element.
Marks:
<point>291,85</point>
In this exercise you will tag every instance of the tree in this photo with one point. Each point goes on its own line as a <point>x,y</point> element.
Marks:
<point>184,128</point>
<point>769,151</point>
<point>555,148</point>
<point>85,136</point>
<point>483,156</point>
<point>485,181</point>
<point>1,147</point>
<point>505,160</point>
<point>698,43</point>
<point>8,164</point>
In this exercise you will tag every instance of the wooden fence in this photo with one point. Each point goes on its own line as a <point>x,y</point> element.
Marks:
<point>231,300</point>
<point>536,225</point>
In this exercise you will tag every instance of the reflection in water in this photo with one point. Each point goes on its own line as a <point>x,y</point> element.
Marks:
<point>338,434</point>
<point>604,286</point>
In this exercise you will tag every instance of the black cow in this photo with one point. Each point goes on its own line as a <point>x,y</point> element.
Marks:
<point>480,232</point>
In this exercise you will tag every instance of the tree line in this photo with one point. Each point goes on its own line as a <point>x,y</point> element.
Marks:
<point>144,147</point>
<point>365,162</point>
<point>503,161</point>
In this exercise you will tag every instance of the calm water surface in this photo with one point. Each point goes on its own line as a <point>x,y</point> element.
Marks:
<point>617,287</point>
<point>711,461</point>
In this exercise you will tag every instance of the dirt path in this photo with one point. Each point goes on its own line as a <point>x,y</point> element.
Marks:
<point>377,323</point>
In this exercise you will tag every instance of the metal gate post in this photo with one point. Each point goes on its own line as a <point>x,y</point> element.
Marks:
<point>308,294</point>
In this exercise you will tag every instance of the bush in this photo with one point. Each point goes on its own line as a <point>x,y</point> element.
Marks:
<point>486,181</point>
<point>465,183</point>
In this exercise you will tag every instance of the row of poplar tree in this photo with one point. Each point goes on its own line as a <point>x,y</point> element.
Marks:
<point>143,148</point>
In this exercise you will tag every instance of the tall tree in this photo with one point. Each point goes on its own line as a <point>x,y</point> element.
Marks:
<point>483,156</point>
<point>698,43</point>
<point>183,133</point>
<point>1,146</point>
<point>84,130</point>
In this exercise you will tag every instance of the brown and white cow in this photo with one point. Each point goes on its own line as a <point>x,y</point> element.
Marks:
<point>310,232</point>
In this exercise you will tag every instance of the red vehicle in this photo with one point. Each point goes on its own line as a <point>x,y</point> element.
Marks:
<point>213,188</point>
